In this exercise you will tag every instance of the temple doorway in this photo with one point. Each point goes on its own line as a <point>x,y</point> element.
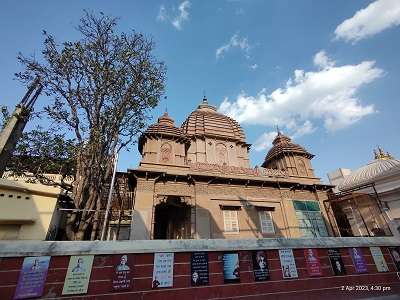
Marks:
<point>172,219</point>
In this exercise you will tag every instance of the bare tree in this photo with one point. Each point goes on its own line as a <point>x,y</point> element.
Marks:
<point>102,87</point>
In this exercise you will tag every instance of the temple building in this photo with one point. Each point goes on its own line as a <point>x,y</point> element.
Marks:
<point>195,182</point>
<point>367,200</point>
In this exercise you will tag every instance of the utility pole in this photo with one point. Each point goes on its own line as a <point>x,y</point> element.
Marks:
<point>103,230</point>
<point>12,132</point>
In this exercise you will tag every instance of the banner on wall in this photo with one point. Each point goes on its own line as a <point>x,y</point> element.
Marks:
<point>199,268</point>
<point>78,274</point>
<point>395,253</point>
<point>358,260</point>
<point>288,263</point>
<point>379,260</point>
<point>260,266</point>
<point>336,262</point>
<point>312,262</point>
<point>122,274</point>
<point>231,267</point>
<point>32,277</point>
<point>163,270</point>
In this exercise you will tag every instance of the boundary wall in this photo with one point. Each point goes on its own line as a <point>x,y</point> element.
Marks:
<point>328,286</point>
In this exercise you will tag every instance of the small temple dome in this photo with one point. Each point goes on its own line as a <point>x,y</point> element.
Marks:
<point>283,144</point>
<point>382,166</point>
<point>163,128</point>
<point>206,121</point>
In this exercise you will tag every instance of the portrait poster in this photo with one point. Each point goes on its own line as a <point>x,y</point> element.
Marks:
<point>32,277</point>
<point>336,261</point>
<point>379,260</point>
<point>395,253</point>
<point>260,265</point>
<point>199,268</point>
<point>163,270</point>
<point>122,273</point>
<point>78,274</point>
<point>288,264</point>
<point>312,262</point>
<point>231,267</point>
<point>358,260</point>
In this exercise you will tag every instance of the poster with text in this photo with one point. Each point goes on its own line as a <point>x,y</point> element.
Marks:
<point>122,274</point>
<point>32,277</point>
<point>78,274</point>
<point>199,268</point>
<point>336,262</point>
<point>260,265</point>
<point>358,260</point>
<point>379,260</point>
<point>231,267</point>
<point>288,263</point>
<point>312,262</point>
<point>395,253</point>
<point>163,270</point>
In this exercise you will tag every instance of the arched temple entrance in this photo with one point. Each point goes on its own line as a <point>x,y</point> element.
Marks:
<point>172,219</point>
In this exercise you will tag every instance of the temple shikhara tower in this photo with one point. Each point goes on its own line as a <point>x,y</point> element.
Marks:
<point>286,155</point>
<point>195,182</point>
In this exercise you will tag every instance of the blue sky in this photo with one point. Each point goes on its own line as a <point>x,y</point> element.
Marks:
<point>327,72</point>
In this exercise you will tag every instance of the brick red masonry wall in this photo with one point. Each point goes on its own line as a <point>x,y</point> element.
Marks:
<point>325,287</point>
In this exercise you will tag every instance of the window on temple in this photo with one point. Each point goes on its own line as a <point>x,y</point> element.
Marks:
<point>166,153</point>
<point>302,167</point>
<point>231,223</point>
<point>311,222</point>
<point>266,223</point>
<point>222,154</point>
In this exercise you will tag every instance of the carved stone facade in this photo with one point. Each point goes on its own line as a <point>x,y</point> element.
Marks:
<point>164,144</point>
<point>289,156</point>
<point>215,138</point>
<point>196,182</point>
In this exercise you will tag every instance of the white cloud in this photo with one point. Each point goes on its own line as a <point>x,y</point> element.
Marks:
<point>299,130</point>
<point>162,14</point>
<point>235,42</point>
<point>366,22</point>
<point>183,15</point>
<point>328,95</point>
<point>253,66</point>
<point>264,141</point>
<point>177,20</point>
<point>322,61</point>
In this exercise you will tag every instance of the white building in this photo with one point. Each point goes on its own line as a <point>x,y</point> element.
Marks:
<point>375,196</point>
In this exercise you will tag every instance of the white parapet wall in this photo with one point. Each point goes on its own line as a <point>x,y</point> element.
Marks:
<point>56,248</point>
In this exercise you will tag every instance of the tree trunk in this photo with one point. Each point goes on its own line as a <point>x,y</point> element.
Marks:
<point>88,192</point>
<point>79,236</point>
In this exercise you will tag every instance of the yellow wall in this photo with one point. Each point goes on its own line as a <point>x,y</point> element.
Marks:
<point>26,209</point>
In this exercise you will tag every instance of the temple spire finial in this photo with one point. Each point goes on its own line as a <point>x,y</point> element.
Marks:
<point>277,130</point>
<point>380,154</point>
<point>376,156</point>
<point>205,101</point>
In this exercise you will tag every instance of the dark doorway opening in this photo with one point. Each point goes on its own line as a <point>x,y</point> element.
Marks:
<point>172,219</point>
<point>342,221</point>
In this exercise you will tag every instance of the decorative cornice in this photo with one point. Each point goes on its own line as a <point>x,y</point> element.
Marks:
<point>224,169</point>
